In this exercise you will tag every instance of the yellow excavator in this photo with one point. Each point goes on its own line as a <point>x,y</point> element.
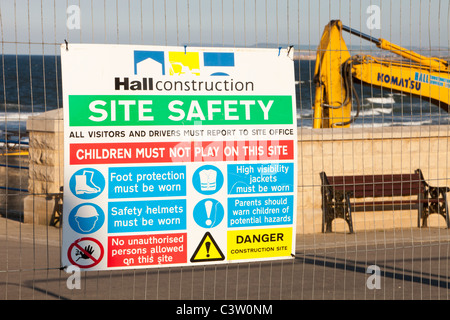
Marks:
<point>336,71</point>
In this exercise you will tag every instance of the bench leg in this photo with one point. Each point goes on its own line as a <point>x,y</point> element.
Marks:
<point>434,207</point>
<point>329,214</point>
<point>444,194</point>
<point>420,211</point>
<point>324,213</point>
<point>419,214</point>
<point>327,220</point>
<point>348,216</point>
<point>323,220</point>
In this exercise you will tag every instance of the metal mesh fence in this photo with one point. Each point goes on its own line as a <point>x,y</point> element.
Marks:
<point>396,250</point>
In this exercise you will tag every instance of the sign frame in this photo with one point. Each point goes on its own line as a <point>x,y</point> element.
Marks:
<point>171,151</point>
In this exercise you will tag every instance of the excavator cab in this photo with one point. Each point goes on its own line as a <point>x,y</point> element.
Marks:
<point>336,71</point>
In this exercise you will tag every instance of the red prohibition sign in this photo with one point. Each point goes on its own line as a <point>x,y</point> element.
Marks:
<point>87,254</point>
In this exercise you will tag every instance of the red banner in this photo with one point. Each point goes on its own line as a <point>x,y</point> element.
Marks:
<point>167,152</point>
<point>142,250</point>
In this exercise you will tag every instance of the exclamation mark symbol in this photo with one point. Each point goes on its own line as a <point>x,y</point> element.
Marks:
<point>208,245</point>
<point>208,206</point>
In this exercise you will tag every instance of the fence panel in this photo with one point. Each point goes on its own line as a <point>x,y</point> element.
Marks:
<point>400,123</point>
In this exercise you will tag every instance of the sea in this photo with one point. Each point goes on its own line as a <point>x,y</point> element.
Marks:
<point>31,84</point>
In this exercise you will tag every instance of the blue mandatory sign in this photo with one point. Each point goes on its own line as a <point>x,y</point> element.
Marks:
<point>207,179</point>
<point>86,218</point>
<point>208,213</point>
<point>87,183</point>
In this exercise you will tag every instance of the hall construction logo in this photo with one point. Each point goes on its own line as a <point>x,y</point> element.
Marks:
<point>182,63</point>
<point>177,156</point>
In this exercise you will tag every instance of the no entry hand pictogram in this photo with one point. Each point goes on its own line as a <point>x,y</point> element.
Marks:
<point>85,252</point>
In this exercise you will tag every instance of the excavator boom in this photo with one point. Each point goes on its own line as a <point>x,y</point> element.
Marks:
<point>433,63</point>
<point>336,70</point>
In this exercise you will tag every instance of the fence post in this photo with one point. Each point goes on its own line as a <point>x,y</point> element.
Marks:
<point>46,152</point>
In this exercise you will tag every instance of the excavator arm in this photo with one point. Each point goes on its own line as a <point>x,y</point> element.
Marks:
<point>336,71</point>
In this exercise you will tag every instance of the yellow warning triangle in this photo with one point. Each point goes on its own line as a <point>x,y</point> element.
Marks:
<point>207,250</point>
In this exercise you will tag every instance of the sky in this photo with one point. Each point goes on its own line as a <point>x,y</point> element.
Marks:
<point>39,26</point>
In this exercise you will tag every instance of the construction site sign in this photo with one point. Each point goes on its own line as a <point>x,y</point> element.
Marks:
<point>177,156</point>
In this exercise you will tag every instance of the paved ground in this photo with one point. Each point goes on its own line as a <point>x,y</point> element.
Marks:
<point>413,263</point>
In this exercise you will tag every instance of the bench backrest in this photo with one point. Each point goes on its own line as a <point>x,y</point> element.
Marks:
<point>389,185</point>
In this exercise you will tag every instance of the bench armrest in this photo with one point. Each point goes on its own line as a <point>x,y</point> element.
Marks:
<point>436,192</point>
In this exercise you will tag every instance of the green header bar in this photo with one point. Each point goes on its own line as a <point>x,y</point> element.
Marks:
<point>146,110</point>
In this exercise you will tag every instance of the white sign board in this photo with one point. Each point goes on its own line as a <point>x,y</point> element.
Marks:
<point>177,155</point>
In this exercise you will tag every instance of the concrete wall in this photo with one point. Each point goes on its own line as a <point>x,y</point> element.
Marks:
<point>369,151</point>
<point>14,182</point>
<point>335,151</point>
<point>46,165</point>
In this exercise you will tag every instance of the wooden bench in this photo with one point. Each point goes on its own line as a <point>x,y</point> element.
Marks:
<point>340,196</point>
